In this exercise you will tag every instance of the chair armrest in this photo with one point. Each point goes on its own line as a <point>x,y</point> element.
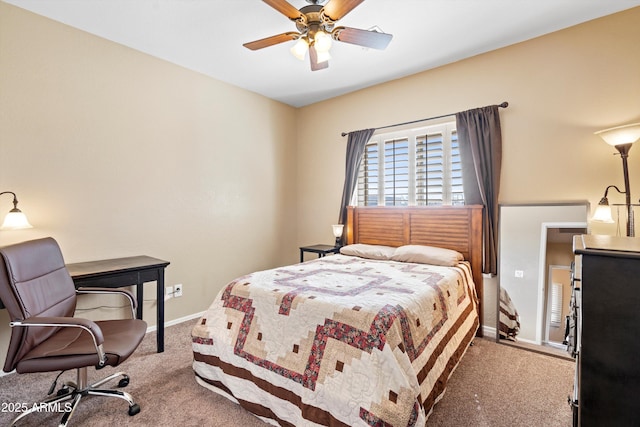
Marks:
<point>121,291</point>
<point>68,322</point>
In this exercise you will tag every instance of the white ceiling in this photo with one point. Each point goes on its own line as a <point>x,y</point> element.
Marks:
<point>207,36</point>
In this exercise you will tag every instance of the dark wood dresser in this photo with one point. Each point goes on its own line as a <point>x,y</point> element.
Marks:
<point>607,277</point>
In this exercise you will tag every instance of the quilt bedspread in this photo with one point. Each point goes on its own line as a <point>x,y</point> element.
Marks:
<point>337,341</point>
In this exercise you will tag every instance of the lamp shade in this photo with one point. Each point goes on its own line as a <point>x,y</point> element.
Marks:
<point>323,56</point>
<point>619,135</point>
<point>337,229</point>
<point>603,214</point>
<point>322,42</point>
<point>15,220</point>
<point>299,49</point>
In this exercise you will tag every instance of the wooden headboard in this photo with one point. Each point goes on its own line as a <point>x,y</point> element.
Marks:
<point>452,227</point>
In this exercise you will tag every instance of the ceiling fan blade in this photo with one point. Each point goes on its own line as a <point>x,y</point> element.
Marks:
<point>270,41</point>
<point>366,38</point>
<point>284,8</point>
<point>313,57</point>
<point>336,9</point>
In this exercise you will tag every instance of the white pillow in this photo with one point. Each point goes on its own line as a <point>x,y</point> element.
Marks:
<point>361,250</point>
<point>427,255</point>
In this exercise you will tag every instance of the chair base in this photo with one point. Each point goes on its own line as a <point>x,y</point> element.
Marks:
<point>68,397</point>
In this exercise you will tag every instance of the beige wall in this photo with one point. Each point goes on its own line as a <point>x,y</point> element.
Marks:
<point>561,88</point>
<point>115,153</point>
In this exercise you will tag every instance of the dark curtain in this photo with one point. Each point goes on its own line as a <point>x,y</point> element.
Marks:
<point>356,142</point>
<point>480,141</point>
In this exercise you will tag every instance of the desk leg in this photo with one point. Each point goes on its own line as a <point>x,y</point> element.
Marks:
<point>160,319</point>
<point>139,299</point>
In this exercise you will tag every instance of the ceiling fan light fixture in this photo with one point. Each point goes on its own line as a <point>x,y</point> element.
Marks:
<point>300,48</point>
<point>316,30</point>
<point>322,42</point>
<point>323,56</point>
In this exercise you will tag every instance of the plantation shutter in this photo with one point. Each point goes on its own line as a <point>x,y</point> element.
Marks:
<point>396,172</point>
<point>368,177</point>
<point>556,304</point>
<point>457,193</point>
<point>429,169</point>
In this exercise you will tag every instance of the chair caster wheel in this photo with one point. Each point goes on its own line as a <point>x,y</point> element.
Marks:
<point>134,409</point>
<point>63,391</point>
<point>123,382</point>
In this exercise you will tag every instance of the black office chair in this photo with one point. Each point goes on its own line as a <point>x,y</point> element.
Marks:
<point>40,296</point>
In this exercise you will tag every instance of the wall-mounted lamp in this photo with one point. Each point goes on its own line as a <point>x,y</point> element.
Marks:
<point>15,219</point>
<point>337,232</point>
<point>622,138</point>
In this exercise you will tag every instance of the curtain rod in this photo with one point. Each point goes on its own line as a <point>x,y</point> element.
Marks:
<point>503,105</point>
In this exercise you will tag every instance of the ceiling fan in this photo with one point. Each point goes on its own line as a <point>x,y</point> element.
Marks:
<point>316,30</point>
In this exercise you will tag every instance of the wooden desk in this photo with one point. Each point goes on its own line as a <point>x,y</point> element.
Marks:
<point>121,272</point>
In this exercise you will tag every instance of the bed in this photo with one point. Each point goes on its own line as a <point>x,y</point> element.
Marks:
<point>348,340</point>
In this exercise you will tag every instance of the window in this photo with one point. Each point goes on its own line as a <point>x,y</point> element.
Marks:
<point>556,304</point>
<point>413,167</point>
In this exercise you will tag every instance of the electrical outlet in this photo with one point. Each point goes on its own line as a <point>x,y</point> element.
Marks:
<point>168,292</point>
<point>178,292</point>
<point>519,274</point>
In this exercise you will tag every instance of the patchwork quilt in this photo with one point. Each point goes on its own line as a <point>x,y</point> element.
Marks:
<point>340,340</point>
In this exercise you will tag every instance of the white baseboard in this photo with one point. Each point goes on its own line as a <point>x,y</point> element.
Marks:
<point>532,342</point>
<point>489,332</point>
<point>177,321</point>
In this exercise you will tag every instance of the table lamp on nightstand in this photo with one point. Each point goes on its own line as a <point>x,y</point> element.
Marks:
<point>337,232</point>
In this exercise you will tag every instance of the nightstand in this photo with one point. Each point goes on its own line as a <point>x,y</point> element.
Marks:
<point>321,250</point>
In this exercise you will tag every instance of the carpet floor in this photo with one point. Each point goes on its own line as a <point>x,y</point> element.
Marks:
<point>494,385</point>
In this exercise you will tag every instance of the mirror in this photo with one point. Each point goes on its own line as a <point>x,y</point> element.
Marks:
<point>534,277</point>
